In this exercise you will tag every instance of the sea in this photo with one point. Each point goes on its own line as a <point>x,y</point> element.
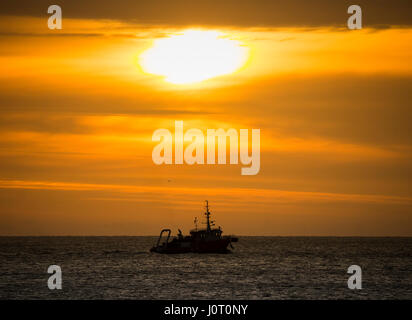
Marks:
<point>257,268</point>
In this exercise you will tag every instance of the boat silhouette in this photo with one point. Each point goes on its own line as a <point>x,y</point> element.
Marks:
<point>207,240</point>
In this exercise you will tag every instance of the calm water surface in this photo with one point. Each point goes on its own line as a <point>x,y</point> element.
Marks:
<point>258,268</point>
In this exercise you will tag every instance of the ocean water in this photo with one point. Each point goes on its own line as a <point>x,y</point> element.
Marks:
<point>258,268</point>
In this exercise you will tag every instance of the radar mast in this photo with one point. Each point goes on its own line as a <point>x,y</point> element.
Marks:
<point>207,213</point>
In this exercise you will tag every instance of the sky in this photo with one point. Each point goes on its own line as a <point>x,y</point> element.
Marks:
<point>78,110</point>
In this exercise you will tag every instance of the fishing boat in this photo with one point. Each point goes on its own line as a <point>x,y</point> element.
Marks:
<point>207,240</point>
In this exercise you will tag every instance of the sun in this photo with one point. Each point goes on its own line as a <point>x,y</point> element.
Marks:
<point>193,56</point>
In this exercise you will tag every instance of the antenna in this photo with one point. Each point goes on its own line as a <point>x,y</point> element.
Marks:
<point>207,213</point>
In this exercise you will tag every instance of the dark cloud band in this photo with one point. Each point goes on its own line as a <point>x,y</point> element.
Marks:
<point>244,13</point>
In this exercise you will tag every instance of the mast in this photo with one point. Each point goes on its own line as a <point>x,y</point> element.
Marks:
<point>207,213</point>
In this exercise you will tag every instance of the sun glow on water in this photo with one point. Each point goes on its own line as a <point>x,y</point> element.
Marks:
<point>193,56</point>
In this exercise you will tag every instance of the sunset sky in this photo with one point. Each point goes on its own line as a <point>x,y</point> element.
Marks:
<point>78,108</point>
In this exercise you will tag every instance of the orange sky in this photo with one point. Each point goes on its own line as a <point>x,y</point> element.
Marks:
<point>78,113</point>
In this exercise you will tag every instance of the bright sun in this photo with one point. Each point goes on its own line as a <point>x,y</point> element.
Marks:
<point>193,56</point>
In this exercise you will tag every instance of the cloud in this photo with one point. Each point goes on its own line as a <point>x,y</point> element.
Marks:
<point>242,13</point>
<point>333,109</point>
<point>235,195</point>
